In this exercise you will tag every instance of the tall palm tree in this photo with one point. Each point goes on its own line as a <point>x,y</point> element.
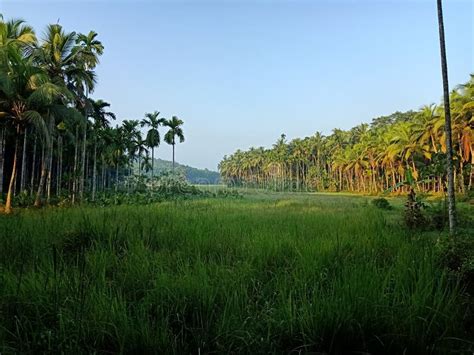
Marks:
<point>87,51</point>
<point>152,121</point>
<point>14,35</point>
<point>447,114</point>
<point>101,121</point>
<point>27,92</point>
<point>131,136</point>
<point>60,56</point>
<point>175,131</point>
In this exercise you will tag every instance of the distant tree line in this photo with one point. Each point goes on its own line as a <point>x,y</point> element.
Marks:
<point>368,158</point>
<point>55,139</point>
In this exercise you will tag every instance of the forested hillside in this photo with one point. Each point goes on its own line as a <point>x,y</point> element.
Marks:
<point>369,157</point>
<point>193,175</point>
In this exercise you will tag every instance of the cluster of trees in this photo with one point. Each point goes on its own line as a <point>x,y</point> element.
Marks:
<point>367,158</point>
<point>191,174</point>
<point>55,140</point>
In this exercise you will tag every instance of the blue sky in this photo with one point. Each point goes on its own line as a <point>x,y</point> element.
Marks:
<point>240,73</point>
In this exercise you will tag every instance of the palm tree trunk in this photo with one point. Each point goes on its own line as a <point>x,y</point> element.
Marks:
<point>173,156</point>
<point>46,167</point>
<point>39,190</point>
<point>94,173</point>
<point>74,178</point>
<point>59,172</point>
<point>471,175</point>
<point>2,152</point>
<point>83,162</point>
<point>33,167</point>
<point>8,204</point>
<point>447,112</point>
<point>23,163</point>
<point>102,167</point>
<point>116,176</point>
<point>152,163</point>
<point>50,170</point>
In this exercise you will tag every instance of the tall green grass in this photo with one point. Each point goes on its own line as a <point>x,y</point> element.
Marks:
<point>313,273</point>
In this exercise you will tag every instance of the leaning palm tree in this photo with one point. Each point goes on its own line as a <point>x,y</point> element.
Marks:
<point>175,131</point>
<point>447,113</point>
<point>153,121</point>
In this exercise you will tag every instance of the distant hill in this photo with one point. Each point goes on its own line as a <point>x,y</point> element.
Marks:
<point>193,175</point>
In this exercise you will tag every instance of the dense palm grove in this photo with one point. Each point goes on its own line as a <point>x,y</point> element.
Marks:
<point>384,155</point>
<point>55,139</point>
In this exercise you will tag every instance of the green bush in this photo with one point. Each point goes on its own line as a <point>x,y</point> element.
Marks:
<point>381,203</point>
<point>457,255</point>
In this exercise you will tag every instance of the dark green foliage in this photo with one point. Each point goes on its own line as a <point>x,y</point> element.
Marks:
<point>193,175</point>
<point>381,203</point>
<point>438,216</point>
<point>228,193</point>
<point>457,254</point>
<point>413,215</point>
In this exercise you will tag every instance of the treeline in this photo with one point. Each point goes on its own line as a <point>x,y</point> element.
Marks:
<point>368,158</point>
<point>193,175</point>
<point>55,139</point>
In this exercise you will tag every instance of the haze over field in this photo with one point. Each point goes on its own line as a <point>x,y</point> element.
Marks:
<point>242,73</point>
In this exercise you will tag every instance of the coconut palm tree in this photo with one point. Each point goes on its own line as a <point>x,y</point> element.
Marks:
<point>60,56</point>
<point>27,93</point>
<point>175,131</point>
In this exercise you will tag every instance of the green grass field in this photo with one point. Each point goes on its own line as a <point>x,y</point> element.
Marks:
<point>264,274</point>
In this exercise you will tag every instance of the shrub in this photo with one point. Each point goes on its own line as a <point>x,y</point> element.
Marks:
<point>413,215</point>
<point>381,203</point>
<point>457,255</point>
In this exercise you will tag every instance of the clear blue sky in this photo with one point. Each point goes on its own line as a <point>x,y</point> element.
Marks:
<point>240,73</point>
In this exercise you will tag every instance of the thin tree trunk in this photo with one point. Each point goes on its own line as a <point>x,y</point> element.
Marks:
<point>94,173</point>
<point>33,167</point>
<point>152,163</point>
<point>83,162</point>
<point>8,204</point>
<point>74,178</point>
<point>116,176</point>
<point>103,173</point>
<point>46,167</point>
<point>85,175</point>
<point>173,156</point>
<point>447,112</point>
<point>2,154</point>
<point>23,163</point>
<point>42,180</point>
<point>50,170</point>
<point>59,172</point>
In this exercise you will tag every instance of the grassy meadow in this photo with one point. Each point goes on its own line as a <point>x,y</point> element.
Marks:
<point>267,273</point>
